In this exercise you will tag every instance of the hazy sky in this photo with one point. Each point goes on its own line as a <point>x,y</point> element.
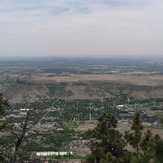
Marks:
<point>81,27</point>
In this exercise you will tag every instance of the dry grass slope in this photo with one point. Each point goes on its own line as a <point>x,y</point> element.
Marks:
<point>85,87</point>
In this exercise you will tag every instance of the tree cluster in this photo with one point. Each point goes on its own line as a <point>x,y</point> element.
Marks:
<point>108,145</point>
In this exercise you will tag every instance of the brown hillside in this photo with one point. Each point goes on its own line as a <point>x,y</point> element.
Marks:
<point>85,87</point>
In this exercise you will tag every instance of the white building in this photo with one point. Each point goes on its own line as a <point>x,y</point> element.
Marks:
<point>59,153</point>
<point>120,106</point>
<point>23,112</point>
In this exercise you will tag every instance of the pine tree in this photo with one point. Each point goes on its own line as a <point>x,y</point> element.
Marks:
<point>3,126</point>
<point>159,148</point>
<point>143,143</point>
<point>2,104</point>
<point>134,138</point>
<point>106,143</point>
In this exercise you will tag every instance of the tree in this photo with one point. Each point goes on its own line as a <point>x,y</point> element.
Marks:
<point>23,132</point>
<point>3,126</point>
<point>21,135</point>
<point>134,138</point>
<point>3,103</point>
<point>159,152</point>
<point>106,143</point>
<point>159,148</point>
<point>143,143</point>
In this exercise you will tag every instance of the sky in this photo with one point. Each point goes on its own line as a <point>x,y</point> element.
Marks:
<point>81,28</point>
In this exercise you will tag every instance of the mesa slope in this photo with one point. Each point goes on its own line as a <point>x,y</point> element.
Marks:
<point>76,86</point>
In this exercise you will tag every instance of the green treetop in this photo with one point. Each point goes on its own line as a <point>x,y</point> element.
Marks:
<point>144,144</point>
<point>106,143</point>
<point>3,103</point>
<point>3,126</point>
